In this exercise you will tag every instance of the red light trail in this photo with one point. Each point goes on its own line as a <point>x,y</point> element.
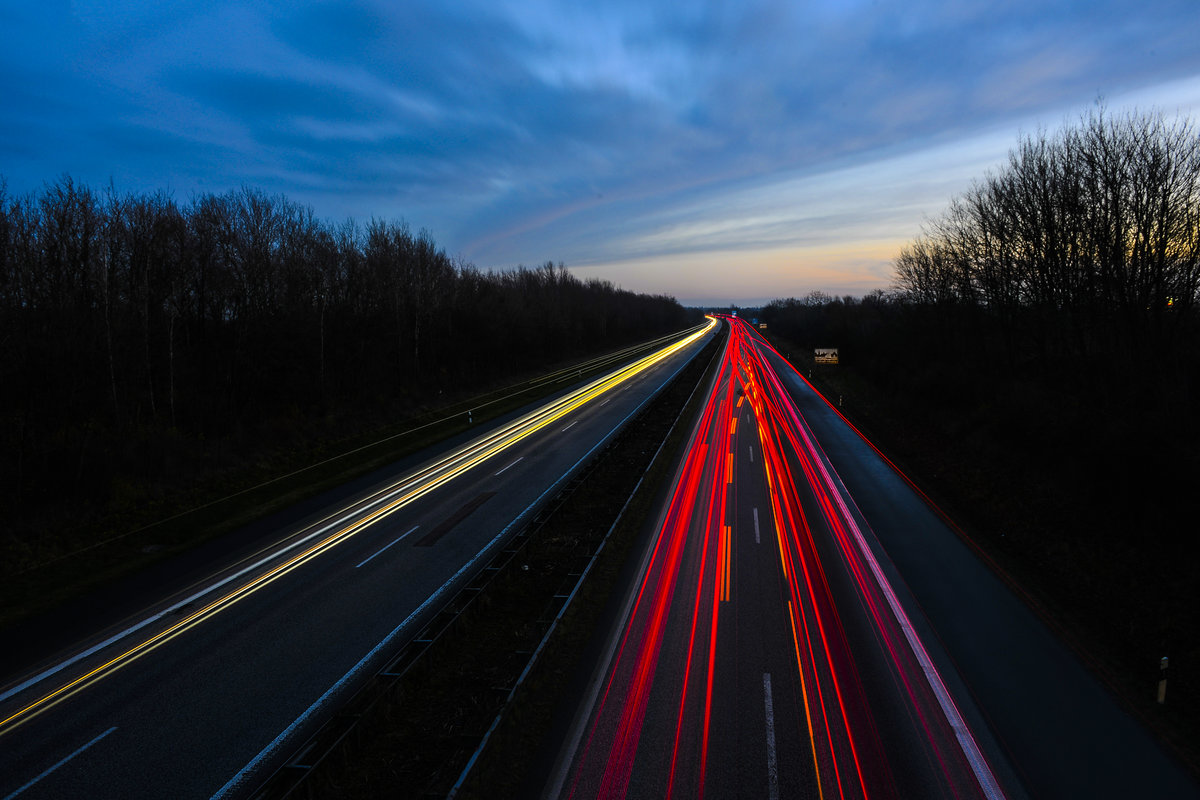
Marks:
<point>678,670</point>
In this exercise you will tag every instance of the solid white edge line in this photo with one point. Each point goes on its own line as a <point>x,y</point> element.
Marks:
<point>59,764</point>
<point>974,755</point>
<point>510,466</point>
<point>235,783</point>
<point>772,757</point>
<point>385,547</point>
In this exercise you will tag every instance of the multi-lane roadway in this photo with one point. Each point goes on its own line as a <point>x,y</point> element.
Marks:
<point>203,691</point>
<point>804,624</point>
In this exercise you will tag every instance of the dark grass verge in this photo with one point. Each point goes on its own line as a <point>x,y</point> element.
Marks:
<point>509,764</point>
<point>119,545</point>
<point>976,490</point>
<point>417,739</point>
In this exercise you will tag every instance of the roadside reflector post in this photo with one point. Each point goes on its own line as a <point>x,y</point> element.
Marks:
<point>1162,681</point>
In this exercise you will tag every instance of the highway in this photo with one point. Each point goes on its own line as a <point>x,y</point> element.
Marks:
<point>804,624</point>
<point>765,652</point>
<point>203,690</point>
<point>1062,733</point>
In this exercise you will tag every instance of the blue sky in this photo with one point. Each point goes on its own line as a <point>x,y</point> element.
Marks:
<point>719,152</point>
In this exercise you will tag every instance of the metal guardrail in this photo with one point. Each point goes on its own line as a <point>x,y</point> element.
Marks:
<point>289,779</point>
<point>291,776</point>
<point>562,600</point>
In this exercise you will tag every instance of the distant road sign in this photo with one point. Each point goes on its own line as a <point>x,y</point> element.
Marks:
<point>826,355</point>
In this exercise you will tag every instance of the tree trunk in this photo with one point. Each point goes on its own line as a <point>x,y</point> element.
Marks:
<point>146,339</point>
<point>321,350</point>
<point>171,365</point>
<point>112,369</point>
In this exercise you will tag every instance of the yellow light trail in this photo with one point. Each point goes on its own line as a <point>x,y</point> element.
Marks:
<point>804,693</point>
<point>416,486</point>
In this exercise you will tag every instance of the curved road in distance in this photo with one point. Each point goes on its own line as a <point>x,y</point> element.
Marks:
<point>202,694</point>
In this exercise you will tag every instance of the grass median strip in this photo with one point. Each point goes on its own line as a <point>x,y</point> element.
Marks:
<point>417,740</point>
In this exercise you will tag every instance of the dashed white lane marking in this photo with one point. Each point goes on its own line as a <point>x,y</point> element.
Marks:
<point>385,547</point>
<point>60,763</point>
<point>772,761</point>
<point>513,464</point>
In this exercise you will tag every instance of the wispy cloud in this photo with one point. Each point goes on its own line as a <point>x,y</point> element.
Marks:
<point>600,134</point>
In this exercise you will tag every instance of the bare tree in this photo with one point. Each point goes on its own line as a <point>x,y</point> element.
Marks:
<point>1088,235</point>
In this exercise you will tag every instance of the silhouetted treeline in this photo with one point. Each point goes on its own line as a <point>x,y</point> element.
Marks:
<point>130,318</point>
<point>1060,290</point>
<point>1086,243</point>
<point>1039,363</point>
<point>1059,297</point>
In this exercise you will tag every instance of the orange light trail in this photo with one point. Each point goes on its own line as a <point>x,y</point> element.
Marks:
<point>964,765</point>
<point>816,529</point>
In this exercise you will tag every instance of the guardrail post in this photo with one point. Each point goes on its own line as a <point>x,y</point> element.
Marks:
<point>1162,681</point>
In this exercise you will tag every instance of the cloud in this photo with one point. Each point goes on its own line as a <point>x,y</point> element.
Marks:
<point>524,130</point>
<point>836,231</point>
<point>752,278</point>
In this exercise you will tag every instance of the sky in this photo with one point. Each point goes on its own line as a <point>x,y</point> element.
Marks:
<point>722,152</point>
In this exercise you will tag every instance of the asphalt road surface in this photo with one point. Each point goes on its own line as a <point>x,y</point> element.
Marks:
<point>1060,730</point>
<point>803,624</point>
<point>202,692</point>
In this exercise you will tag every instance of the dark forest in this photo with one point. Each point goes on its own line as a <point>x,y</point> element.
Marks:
<point>1038,364</point>
<point>148,343</point>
